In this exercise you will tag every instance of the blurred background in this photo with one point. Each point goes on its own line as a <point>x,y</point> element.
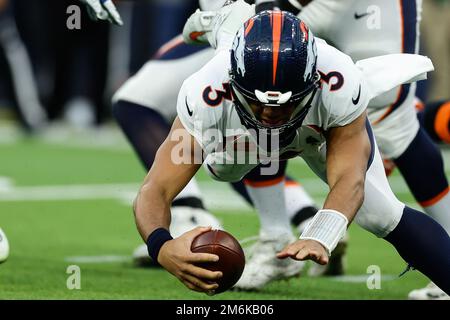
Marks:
<point>68,76</point>
<point>48,72</point>
<point>68,175</point>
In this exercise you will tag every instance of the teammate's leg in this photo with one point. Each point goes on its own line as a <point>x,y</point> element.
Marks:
<point>299,204</point>
<point>267,193</point>
<point>145,102</point>
<point>396,126</point>
<point>143,107</point>
<point>422,167</point>
<point>420,240</point>
<point>434,117</point>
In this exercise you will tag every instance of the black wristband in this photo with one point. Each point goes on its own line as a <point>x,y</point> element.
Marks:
<point>155,241</point>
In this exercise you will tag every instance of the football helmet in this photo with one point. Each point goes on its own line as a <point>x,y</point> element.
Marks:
<point>273,64</point>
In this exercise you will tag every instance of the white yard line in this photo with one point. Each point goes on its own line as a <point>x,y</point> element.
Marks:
<point>361,278</point>
<point>98,259</point>
<point>217,196</point>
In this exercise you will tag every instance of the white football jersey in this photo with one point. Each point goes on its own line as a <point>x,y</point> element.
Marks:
<point>211,5</point>
<point>207,112</point>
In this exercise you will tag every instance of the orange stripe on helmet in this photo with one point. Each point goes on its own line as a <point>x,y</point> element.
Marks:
<point>249,26</point>
<point>277,18</point>
<point>304,29</point>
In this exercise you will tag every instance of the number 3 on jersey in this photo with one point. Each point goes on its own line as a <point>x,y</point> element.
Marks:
<point>336,83</point>
<point>214,97</point>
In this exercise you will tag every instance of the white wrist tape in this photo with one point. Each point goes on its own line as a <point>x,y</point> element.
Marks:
<point>327,227</point>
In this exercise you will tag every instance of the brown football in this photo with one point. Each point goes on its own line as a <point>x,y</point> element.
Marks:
<point>231,256</point>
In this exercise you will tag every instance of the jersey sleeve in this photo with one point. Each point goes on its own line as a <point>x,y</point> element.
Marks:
<point>345,94</point>
<point>200,119</point>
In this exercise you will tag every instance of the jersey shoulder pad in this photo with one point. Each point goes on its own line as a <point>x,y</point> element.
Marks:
<point>201,97</point>
<point>344,94</point>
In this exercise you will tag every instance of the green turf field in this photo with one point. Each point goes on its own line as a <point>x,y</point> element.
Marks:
<point>65,204</point>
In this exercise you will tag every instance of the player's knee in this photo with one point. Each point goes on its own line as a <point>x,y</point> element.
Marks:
<point>380,219</point>
<point>131,114</point>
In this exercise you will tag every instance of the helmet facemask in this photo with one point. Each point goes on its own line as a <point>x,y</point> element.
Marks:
<point>285,131</point>
<point>273,64</point>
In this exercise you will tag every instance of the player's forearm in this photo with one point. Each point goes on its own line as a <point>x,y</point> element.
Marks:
<point>151,210</point>
<point>348,151</point>
<point>346,195</point>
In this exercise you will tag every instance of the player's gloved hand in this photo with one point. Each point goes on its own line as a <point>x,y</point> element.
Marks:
<point>213,26</point>
<point>305,250</point>
<point>103,10</point>
<point>177,258</point>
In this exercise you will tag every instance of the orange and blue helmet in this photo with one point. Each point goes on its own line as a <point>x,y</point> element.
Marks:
<point>273,63</point>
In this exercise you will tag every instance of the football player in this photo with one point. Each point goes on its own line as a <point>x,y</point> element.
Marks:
<point>355,28</point>
<point>144,107</point>
<point>275,84</point>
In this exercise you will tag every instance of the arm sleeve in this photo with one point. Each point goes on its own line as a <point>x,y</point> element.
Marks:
<point>344,103</point>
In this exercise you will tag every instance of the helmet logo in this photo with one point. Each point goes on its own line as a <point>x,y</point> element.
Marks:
<point>311,57</point>
<point>239,48</point>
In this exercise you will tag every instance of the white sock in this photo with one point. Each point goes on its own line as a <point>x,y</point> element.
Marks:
<point>440,211</point>
<point>270,204</point>
<point>191,190</point>
<point>296,198</point>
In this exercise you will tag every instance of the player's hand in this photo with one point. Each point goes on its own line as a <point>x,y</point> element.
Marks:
<point>212,26</point>
<point>305,250</point>
<point>177,258</point>
<point>103,10</point>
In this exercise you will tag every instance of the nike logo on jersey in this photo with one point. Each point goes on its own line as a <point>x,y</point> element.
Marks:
<point>190,112</point>
<point>362,15</point>
<point>356,101</point>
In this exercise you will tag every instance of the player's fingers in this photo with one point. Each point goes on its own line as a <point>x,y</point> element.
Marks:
<point>204,273</point>
<point>290,250</point>
<point>313,255</point>
<point>323,259</point>
<point>190,235</point>
<point>95,5</point>
<point>302,254</point>
<point>112,11</point>
<point>199,283</point>
<point>317,256</point>
<point>202,257</point>
<point>191,286</point>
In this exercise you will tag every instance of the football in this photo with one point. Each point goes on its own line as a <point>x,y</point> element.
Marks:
<point>231,256</point>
